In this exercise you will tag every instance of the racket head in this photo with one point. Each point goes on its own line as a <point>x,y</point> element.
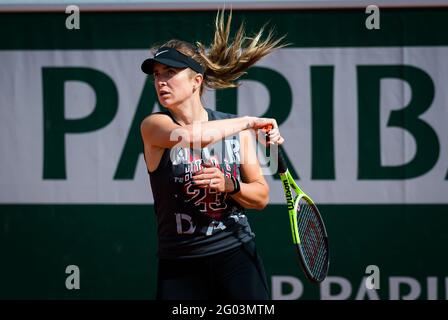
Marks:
<point>312,239</point>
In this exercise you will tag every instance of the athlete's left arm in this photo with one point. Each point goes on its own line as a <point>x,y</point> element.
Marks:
<point>254,192</point>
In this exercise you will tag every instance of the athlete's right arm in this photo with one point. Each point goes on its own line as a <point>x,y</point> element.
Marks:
<point>161,131</point>
<point>157,130</point>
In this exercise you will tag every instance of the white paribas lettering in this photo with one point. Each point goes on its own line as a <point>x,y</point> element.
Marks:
<point>285,287</point>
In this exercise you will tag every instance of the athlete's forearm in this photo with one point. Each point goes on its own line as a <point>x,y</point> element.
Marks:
<point>201,134</point>
<point>254,195</point>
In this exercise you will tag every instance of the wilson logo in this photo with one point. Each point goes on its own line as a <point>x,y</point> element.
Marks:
<point>288,195</point>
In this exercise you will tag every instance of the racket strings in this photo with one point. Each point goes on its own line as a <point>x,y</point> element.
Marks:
<point>312,237</point>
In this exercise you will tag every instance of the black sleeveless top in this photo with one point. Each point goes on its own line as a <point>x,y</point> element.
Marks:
<point>191,221</point>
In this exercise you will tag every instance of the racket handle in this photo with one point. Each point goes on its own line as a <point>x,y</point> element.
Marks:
<point>282,166</point>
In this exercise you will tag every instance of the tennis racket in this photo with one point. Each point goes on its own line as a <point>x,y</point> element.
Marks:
<point>309,234</point>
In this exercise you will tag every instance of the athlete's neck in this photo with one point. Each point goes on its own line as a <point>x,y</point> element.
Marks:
<point>187,114</point>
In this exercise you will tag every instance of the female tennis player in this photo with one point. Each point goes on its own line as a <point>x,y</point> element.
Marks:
<point>204,170</point>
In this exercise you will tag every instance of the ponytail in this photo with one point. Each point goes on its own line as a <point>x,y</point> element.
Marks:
<point>225,61</point>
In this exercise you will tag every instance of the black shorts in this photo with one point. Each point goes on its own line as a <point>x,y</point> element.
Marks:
<point>236,274</point>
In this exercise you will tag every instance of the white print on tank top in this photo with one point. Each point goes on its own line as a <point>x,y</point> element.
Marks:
<point>224,155</point>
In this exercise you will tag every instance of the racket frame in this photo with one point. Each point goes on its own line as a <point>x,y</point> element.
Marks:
<point>290,186</point>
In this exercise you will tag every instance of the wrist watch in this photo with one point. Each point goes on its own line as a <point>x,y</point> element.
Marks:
<point>236,185</point>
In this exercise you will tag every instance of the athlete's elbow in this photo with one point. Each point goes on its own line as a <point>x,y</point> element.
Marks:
<point>261,203</point>
<point>263,197</point>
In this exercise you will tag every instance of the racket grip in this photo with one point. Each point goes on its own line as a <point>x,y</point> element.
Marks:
<point>282,166</point>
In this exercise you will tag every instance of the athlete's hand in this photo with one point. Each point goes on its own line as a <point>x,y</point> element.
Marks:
<point>269,133</point>
<point>210,177</point>
<point>260,123</point>
<point>273,136</point>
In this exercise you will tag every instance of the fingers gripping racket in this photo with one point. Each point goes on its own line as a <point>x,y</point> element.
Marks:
<point>308,229</point>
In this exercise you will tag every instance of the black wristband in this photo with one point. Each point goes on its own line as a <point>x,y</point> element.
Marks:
<point>236,185</point>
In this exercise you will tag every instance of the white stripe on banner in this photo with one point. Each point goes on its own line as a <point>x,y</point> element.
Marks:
<point>92,157</point>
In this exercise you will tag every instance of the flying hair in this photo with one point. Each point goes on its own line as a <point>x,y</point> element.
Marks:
<point>226,59</point>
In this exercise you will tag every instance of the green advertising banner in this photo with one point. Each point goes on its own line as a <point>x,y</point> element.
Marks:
<point>369,107</point>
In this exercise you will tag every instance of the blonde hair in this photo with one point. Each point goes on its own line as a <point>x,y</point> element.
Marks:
<point>227,60</point>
